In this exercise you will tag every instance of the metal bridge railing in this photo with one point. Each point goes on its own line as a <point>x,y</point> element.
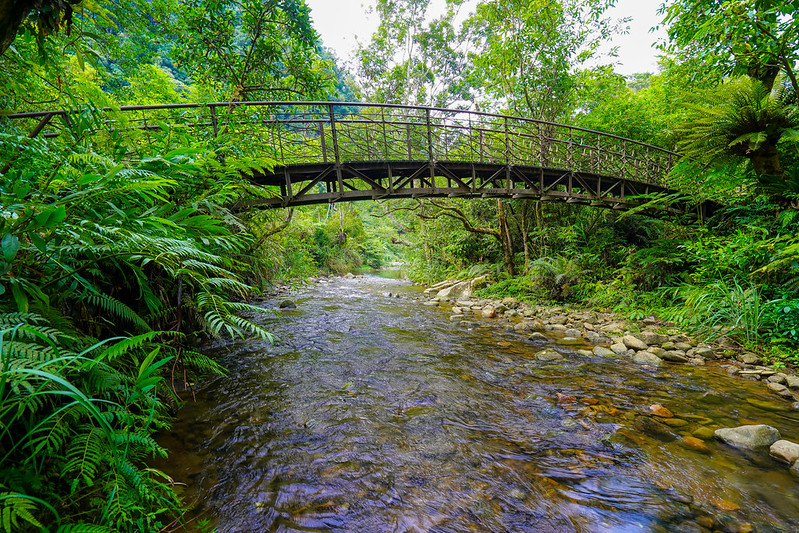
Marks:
<point>314,132</point>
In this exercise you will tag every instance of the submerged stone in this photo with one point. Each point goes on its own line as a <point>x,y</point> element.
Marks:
<point>750,437</point>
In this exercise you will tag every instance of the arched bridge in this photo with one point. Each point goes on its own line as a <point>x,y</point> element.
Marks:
<point>319,152</point>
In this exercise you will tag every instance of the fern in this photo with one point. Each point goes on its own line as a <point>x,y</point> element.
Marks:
<point>15,509</point>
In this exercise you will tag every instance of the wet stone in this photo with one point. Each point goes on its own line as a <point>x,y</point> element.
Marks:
<point>618,348</point>
<point>601,351</point>
<point>548,355</point>
<point>674,356</point>
<point>749,437</point>
<point>785,450</point>
<point>634,343</point>
<point>646,358</point>
<point>653,428</point>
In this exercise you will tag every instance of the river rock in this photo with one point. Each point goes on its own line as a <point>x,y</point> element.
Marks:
<point>675,356</point>
<point>287,304</point>
<point>521,327</point>
<point>785,450</point>
<point>601,351</point>
<point>749,358</point>
<point>684,346</point>
<point>536,336</point>
<point>658,410</point>
<point>654,428</point>
<point>489,312</point>
<point>462,289</point>
<point>618,348</point>
<point>705,353</point>
<point>634,343</point>
<point>792,382</point>
<point>595,338</point>
<point>647,358</point>
<point>479,282</point>
<point>749,437</point>
<point>694,443</point>
<point>782,390</point>
<point>704,433</point>
<point>510,302</point>
<point>571,332</point>
<point>650,337</point>
<point>778,378</point>
<point>548,355</point>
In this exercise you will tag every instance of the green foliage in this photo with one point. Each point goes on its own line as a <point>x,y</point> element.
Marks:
<point>782,321</point>
<point>732,308</point>
<point>557,275</point>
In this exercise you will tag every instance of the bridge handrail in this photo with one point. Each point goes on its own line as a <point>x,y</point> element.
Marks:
<point>266,103</point>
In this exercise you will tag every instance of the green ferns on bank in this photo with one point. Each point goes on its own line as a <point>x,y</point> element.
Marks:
<point>112,270</point>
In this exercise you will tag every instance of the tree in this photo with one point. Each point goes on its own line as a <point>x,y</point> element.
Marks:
<point>524,54</point>
<point>250,49</point>
<point>759,38</point>
<point>411,60</point>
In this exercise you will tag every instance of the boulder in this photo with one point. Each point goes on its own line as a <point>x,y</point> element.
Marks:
<point>634,343</point>
<point>479,282</point>
<point>571,332</point>
<point>751,437</point>
<point>548,355</point>
<point>782,390</point>
<point>521,327</point>
<point>675,356</point>
<point>536,336</point>
<point>705,353</point>
<point>792,382</point>
<point>601,351</point>
<point>489,312</point>
<point>748,358</point>
<point>778,378</point>
<point>618,348</point>
<point>647,358</point>
<point>785,450</point>
<point>650,337</point>
<point>287,304</point>
<point>459,290</point>
<point>510,302</point>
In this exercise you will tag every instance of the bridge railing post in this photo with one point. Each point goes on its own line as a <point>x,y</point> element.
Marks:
<point>336,155</point>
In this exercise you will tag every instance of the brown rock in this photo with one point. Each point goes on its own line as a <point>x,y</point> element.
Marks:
<point>659,410</point>
<point>695,444</point>
<point>565,398</point>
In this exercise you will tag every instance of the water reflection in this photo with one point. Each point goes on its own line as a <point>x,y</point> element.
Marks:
<point>375,413</point>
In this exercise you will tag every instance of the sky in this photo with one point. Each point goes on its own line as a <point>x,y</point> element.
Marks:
<point>344,23</point>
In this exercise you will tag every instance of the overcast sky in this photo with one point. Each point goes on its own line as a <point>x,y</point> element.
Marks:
<point>341,22</point>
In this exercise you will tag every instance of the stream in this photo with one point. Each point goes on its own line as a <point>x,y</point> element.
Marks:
<point>374,413</point>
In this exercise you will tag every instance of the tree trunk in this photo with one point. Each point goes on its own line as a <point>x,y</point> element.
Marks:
<point>525,227</point>
<point>505,240</point>
<point>766,161</point>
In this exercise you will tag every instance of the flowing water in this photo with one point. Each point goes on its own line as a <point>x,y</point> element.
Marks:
<point>375,413</point>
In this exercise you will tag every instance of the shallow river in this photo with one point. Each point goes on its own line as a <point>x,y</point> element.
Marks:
<point>375,414</point>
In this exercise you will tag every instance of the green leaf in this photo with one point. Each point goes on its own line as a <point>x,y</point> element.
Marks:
<point>38,242</point>
<point>9,245</point>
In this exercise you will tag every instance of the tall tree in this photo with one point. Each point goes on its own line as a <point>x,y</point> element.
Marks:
<point>249,49</point>
<point>413,58</point>
<point>524,54</point>
<point>759,38</point>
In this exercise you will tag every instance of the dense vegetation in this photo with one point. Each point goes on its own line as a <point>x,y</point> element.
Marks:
<point>122,251</point>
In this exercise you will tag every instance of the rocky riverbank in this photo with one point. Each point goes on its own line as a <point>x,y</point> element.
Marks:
<point>649,343</point>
